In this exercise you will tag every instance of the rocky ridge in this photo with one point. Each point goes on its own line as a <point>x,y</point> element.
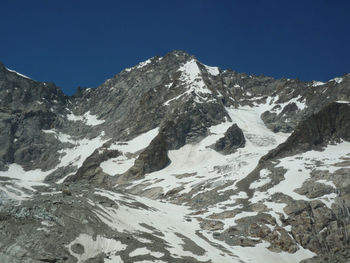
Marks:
<point>175,161</point>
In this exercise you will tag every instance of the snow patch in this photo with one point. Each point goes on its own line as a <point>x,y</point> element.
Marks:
<point>214,71</point>
<point>191,75</point>
<point>124,162</point>
<point>117,165</point>
<point>136,144</point>
<point>317,83</point>
<point>144,251</point>
<point>173,99</point>
<point>19,74</point>
<point>87,118</point>
<point>13,192</point>
<point>169,85</point>
<point>271,103</point>
<point>337,80</point>
<point>92,119</point>
<point>95,246</point>
<point>260,253</point>
<point>144,63</point>
<point>330,183</point>
<point>299,169</point>
<point>81,149</point>
<point>25,179</point>
<point>264,179</point>
<point>140,65</point>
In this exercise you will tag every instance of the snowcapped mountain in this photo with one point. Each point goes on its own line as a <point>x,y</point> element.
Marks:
<point>175,161</point>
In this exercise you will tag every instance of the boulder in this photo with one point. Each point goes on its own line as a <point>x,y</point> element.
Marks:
<point>232,140</point>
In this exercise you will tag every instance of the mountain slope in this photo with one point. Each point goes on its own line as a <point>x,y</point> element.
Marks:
<point>175,161</point>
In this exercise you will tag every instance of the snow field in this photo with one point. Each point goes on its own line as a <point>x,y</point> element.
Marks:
<point>170,220</point>
<point>166,218</point>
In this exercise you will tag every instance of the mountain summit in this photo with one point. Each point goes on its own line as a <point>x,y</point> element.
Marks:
<point>175,161</point>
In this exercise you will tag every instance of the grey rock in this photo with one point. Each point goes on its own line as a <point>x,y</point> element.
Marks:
<point>153,158</point>
<point>329,124</point>
<point>232,140</point>
<point>91,170</point>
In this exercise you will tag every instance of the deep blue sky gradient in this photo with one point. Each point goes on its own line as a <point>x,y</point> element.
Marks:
<point>82,43</point>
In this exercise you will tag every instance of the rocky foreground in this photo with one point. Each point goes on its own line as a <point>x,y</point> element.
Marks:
<point>175,161</point>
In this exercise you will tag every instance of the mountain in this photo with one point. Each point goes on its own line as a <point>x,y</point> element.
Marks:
<point>175,161</point>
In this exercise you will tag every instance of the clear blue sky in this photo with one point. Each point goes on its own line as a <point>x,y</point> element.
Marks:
<point>82,43</point>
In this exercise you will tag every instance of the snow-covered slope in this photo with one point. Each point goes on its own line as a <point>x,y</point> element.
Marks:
<point>175,161</point>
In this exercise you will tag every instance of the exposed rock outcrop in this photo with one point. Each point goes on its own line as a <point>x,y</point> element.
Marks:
<point>153,158</point>
<point>331,124</point>
<point>233,139</point>
<point>90,170</point>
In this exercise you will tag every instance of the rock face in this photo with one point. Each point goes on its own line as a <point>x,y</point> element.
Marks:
<point>175,161</point>
<point>91,169</point>
<point>233,139</point>
<point>27,108</point>
<point>331,124</point>
<point>153,158</point>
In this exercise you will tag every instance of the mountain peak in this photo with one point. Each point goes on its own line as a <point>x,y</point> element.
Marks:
<point>81,170</point>
<point>179,53</point>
